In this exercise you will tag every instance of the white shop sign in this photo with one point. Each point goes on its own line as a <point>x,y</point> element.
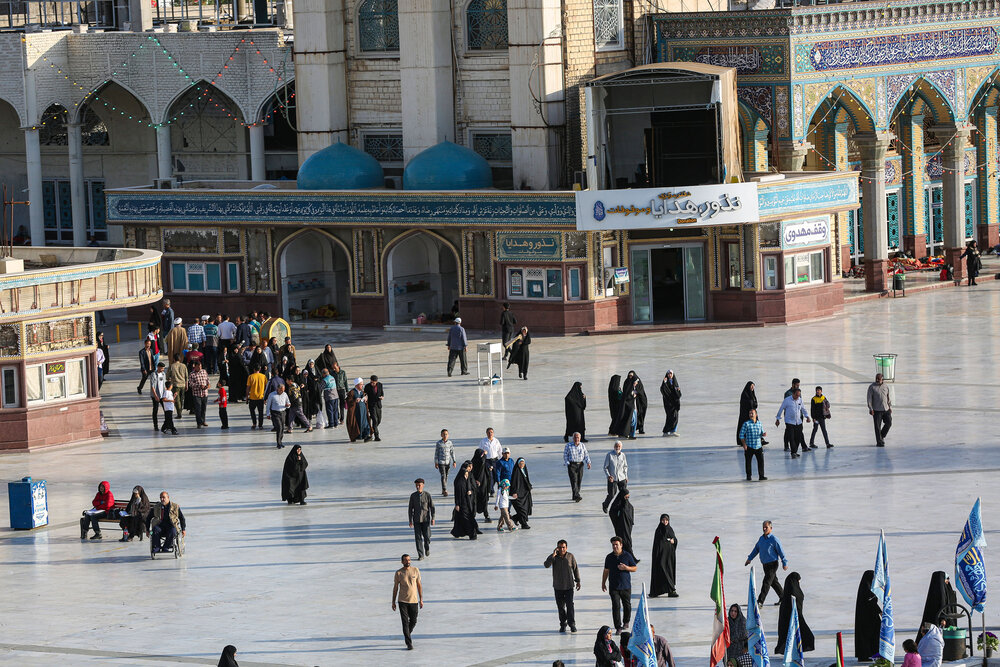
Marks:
<point>665,208</point>
<point>803,233</point>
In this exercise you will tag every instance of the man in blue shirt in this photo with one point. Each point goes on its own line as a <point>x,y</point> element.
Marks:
<point>793,412</point>
<point>457,343</point>
<point>751,434</point>
<point>618,568</point>
<point>769,549</point>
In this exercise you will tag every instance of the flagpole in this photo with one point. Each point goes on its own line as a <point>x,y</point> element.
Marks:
<point>983,614</point>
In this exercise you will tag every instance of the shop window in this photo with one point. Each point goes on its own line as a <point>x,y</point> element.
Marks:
<point>576,245</point>
<point>574,284</point>
<point>232,277</point>
<point>11,390</point>
<point>378,25</point>
<point>56,380</point>
<point>486,25</point>
<point>804,269</point>
<point>536,283</point>
<point>771,272</point>
<point>195,277</point>
<point>609,25</point>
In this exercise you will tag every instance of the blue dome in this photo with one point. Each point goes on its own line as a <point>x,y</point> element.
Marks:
<point>447,166</point>
<point>340,167</point>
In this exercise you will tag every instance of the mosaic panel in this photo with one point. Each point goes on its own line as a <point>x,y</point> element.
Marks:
<point>797,111</point>
<point>960,93</point>
<point>781,109</point>
<point>895,85</point>
<point>945,81</point>
<point>762,59</point>
<point>892,171</point>
<point>881,114</point>
<point>935,169</point>
<point>904,48</point>
<point>970,211</point>
<point>974,77</point>
<point>892,217</point>
<point>757,98</point>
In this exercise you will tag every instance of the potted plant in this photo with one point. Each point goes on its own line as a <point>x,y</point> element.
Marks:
<point>988,642</point>
<point>881,662</point>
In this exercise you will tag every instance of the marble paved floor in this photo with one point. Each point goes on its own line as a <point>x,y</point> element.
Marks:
<point>311,585</point>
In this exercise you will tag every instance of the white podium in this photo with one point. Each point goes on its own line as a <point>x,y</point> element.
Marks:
<point>489,349</point>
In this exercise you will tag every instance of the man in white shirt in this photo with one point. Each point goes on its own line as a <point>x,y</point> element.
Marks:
<point>793,412</point>
<point>227,332</point>
<point>616,470</point>
<point>168,409</point>
<point>277,403</point>
<point>492,448</point>
<point>157,385</point>
<point>100,368</point>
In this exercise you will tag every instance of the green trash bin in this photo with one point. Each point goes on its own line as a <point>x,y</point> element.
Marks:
<point>899,281</point>
<point>954,643</point>
<point>886,365</point>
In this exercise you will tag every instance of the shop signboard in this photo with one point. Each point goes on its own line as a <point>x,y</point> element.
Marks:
<point>805,233</point>
<point>527,246</point>
<point>667,208</point>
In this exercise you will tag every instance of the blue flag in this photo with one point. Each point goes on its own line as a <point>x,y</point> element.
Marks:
<point>793,644</point>
<point>755,631</point>
<point>640,644</point>
<point>882,589</point>
<point>970,569</point>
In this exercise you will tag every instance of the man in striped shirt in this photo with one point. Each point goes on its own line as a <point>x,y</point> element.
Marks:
<point>751,433</point>
<point>574,456</point>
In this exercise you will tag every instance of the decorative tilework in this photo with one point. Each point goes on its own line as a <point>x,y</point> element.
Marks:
<point>757,98</point>
<point>960,109</point>
<point>757,59</point>
<point>781,109</point>
<point>892,173</point>
<point>945,81</point>
<point>881,114</point>
<point>892,218</point>
<point>974,77</point>
<point>896,84</point>
<point>970,211</point>
<point>814,94</point>
<point>935,169</point>
<point>800,198</point>
<point>902,48</point>
<point>797,111</point>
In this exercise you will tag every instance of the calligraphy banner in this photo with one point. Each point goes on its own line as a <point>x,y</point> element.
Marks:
<point>894,49</point>
<point>527,246</point>
<point>667,208</point>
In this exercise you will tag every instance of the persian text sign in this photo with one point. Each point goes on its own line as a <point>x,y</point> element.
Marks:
<point>802,233</point>
<point>667,208</point>
<point>903,48</point>
<point>528,246</point>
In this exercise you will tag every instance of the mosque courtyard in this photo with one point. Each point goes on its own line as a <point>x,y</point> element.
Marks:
<point>302,586</point>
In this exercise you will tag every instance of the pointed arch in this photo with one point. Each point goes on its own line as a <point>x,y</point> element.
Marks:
<point>16,110</point>
<point>987,95</point>
<point>213,90</point>
<point>412,232</point>
<point>93,97</point>
<point>841,96</point>
<point>323,232</point>
<point>283,96</point>
<point>932,96</point>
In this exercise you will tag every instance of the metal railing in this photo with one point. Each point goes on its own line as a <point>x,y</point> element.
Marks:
<point>21,15</point>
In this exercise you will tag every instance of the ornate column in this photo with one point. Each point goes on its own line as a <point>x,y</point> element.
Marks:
<point>164,153</point>
<point>953,138</point>
<point>77,195</point>
<point>258,170</point>
<point>911,129</point>
<point>33,163</point>
<point>792,155</point>
<point>988,229</point>
<point>873,146</point>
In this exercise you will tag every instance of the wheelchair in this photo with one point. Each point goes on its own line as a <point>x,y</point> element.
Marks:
<point>177,548</point>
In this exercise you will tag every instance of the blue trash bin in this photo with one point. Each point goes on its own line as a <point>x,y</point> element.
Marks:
<point>29,504</point>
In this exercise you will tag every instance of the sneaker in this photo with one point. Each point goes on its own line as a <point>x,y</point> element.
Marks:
<point>500,529</point>
<point>572,628</point>
<point>97,536</point>
<point>762,479</point>
<point>829,446</point>
<point>420,557</point>
<point>812,446</point>
<point>562,628</point>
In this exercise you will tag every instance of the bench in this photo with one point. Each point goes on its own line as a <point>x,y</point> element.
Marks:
<point>112,517</point>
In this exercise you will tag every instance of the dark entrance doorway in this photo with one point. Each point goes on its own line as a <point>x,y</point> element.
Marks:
<point>666,268</point>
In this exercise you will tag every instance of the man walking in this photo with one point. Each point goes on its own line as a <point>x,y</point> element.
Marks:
<point>407,590</point>
<point>565,576</point>
<point>147,364</point>
<point>492,448</point>
<point>508,325</point>
<point>340,375</point>
<point>751,439</point>
<point>211,345</point>
<point>457,344</point>
<point>330,398</point>
<point>444,459</point>
<point>769,549</point>
<point>177,373</point>
<point>616,470</point>
<point>503,468</point>
<point>166,317</point>
<point>793,413</point>
<point>421,514</point>
<point>373,390</point>
<point>227,334</point>
<point>255,395</point>
<point>880,408</point>
<point>574,456</point>
<point>198,386</point>
<point>275,408</point>
<point>618,568</point>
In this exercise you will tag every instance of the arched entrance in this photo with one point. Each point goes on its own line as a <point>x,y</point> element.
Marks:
<point>315,278</point>
<point>422,278</point>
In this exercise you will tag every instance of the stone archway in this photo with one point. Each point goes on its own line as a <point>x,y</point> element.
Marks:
<point>422,278</point>
<point>315,278</point>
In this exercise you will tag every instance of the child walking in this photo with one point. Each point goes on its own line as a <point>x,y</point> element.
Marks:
<point>503,504</point>
<point>819,410</point>
<point>223,401</point>
<point>167,399</point>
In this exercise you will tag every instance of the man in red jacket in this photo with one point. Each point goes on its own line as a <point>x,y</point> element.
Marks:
<point>103,502</point>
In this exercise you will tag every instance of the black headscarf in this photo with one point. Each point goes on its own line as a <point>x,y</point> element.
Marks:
<point>615,395</point>
<point>622,516</point>
<point>867,620</point>
<point>670,389</point>
<point>326,358</point>
<point>748,402</point>
<point>793,591</point>
<point>481,474</point>
<point>622,424</point>
<point>576,403</point>
<point>520,484</point>
<point>606,651</point>
<point>737,633</point>
<point>294,480</point>
<point>143,508</point>
<point>641,402</point>
<point>664,568</point>
<point>939,596</point>
<point>228,658</point>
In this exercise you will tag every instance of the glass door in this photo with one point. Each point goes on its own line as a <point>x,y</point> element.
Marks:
<point>694,282</point>
<point>642,305</point>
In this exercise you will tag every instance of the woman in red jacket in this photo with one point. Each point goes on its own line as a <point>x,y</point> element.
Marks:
<point>103,502</point>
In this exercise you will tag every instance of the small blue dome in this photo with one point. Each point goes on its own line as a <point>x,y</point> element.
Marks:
<point>340,167</point>
<point>447,166</point>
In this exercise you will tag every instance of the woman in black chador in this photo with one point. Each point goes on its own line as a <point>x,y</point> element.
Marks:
<point>464,515</point>
<point>793,591</point>
<point>867,620</point>
<point>641,402</point>
<point>670,390</point>
<point>294,480</point>
<point>625,423</point>
<point>614,400</point>
<point>520,353</point>
<point>484,482</point>
<point>576,403</point>
<point>520,493</point>
<point>748,402</point>
<point>664,567</point>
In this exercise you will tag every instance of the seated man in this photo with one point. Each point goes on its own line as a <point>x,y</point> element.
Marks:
<point>165,520</point>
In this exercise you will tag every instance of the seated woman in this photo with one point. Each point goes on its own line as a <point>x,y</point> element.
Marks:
<point>103,503</point>
<point>133,519</point>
